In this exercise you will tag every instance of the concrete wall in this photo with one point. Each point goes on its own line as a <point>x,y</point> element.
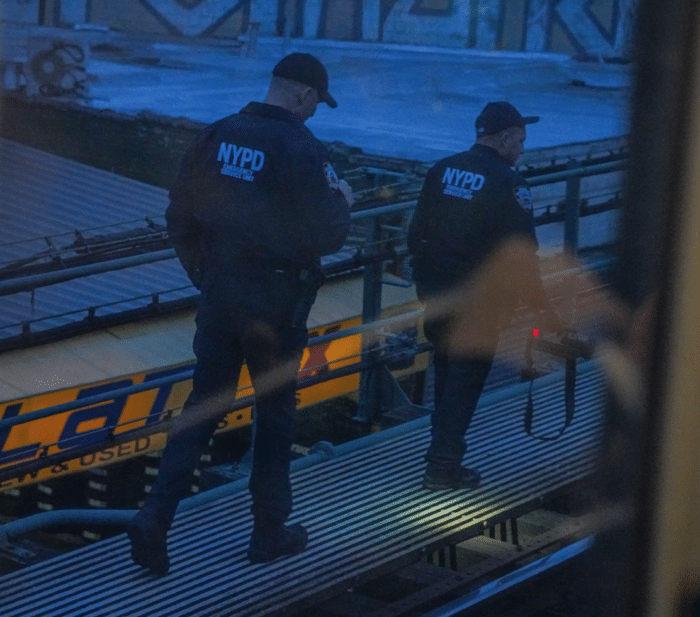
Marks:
<point>219,18</point>
<point>587,28</point>
<point>146,147</point>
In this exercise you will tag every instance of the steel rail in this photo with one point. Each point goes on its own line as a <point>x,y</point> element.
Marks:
<point>27,283</point>
<point>521,575</point>
<point>577,172</point>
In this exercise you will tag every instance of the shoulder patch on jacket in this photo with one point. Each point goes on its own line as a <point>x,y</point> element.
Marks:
<point>331,176</point>
<point>523,197</point>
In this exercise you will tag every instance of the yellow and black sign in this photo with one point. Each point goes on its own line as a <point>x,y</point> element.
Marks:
<point>90,425</point>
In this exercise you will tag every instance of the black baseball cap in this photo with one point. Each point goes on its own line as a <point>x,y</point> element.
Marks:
<point>306,69</point>
<point>499,116</point>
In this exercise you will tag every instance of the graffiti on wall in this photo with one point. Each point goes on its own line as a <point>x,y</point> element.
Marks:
<point>598,28</point>
<point>588,27</point>
<point>193,17</point>
<point>592,27</point>
<point>583,26</point>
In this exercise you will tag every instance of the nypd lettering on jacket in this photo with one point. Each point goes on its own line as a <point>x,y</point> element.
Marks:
<point>240,162</point>
<point>460,183</point>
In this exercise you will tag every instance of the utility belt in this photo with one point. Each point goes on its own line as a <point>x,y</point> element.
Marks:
<point>306,278</point>
<point>289,287</point>
<point>308,281</point>
<point>305,283</point>
<point>255,263</point>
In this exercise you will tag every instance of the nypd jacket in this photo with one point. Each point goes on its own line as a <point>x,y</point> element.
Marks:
<point>469,203</point>
<point>256,186</point>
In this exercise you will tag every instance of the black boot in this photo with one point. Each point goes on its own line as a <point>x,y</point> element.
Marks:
<point>149,547</point>
<point>437,478</point>
<point>271,541</point>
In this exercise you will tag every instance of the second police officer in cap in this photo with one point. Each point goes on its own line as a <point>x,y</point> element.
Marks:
<point>255,205</point>
<point>471,203</point>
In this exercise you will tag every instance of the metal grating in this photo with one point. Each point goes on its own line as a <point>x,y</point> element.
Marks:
<point>365,510</point>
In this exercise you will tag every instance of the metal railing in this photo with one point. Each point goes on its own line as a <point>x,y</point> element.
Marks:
<point>571,176</point>
<point>374,253</point>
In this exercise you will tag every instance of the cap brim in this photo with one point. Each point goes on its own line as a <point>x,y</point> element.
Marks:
<point>531,119</point>
<point>328,100</point>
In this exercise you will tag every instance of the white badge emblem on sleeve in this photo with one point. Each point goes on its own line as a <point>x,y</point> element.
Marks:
<point>331,176</point>
<point>522,196</point>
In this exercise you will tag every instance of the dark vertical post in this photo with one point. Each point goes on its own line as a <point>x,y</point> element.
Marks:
<point>573,210</point>
<point>572,220</point>
<point>370,379</point>
<point>41,13</point>
<point>56,13</point>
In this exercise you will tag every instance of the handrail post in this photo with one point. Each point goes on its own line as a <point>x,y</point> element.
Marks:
<point>572,219</point>
<point>370,379</point>
<point>573,210</point>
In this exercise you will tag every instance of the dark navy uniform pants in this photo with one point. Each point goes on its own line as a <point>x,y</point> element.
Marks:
<point>259,317</point>
<point>459,382</point>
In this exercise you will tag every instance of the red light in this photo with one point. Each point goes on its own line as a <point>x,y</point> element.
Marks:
<point>536,332</point>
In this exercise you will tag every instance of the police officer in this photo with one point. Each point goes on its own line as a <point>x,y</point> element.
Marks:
<point>255,205</point>
<point>470,204</point>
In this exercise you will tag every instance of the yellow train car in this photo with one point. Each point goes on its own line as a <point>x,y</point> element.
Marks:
<point>135,353</point>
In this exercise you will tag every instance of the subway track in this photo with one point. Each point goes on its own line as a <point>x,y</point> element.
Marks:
<point>365,510</point>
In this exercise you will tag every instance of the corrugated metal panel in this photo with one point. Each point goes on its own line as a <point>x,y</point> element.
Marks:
<point>44,196</point>
<point>364,510</point>
<point>47,198</point>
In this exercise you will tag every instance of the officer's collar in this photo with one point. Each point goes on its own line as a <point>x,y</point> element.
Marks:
<point>484,149</point>
<point>271,111</point>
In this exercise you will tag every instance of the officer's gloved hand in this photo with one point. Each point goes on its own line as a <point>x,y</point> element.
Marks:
<point>346,190</point>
